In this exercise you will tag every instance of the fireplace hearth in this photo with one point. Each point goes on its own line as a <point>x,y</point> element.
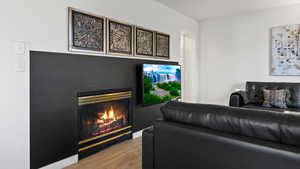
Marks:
<point>104,119</point>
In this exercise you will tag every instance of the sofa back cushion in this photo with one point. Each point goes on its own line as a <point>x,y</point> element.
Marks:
<point>267,125</point>
<point>293,97</point>
<point>255,93</point>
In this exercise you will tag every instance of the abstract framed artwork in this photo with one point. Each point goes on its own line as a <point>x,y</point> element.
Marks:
<point>86,32</point>
<point>119,38</point>
<point>162,45</point>
<point>144,42</point>
<point>285,58</point>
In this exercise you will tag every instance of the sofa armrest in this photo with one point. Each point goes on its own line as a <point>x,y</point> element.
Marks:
<point>148,147</point>
<point>238,99</point>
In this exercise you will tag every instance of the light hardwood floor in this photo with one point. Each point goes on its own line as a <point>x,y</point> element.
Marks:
<point>125,155</point>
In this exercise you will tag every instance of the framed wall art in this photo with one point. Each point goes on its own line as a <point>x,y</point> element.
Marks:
<point>86,32</point>
<point>119,38</point>
<point>144,42</point>
<point>285,59</point>
<point>162,45</point>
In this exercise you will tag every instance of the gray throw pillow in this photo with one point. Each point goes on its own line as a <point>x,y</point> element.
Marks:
<point>275,98</point>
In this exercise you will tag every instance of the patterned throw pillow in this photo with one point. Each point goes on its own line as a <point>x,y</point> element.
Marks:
<point>275,98</point>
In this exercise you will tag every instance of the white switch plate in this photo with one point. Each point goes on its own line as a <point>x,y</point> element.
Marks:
<point>19,48</point>
<point>20,65</point>
<point>20,51</point>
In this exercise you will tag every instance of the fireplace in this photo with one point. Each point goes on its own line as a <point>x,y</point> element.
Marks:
<point>104,119</point>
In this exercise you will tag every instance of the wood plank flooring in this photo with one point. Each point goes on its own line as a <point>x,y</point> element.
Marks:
<point>125,155</point>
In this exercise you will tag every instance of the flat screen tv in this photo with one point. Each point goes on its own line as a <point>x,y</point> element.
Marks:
<point>161,83</point>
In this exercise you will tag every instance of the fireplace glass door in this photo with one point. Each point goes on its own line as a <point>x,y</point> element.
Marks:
<point>102,114</point>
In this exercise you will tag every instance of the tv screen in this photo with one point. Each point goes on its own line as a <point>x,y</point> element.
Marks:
<point>161,83</point>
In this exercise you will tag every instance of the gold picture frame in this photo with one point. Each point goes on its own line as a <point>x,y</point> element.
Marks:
<point>120,40</point>
<point>144,39</point>
<point>162,45</point>
<point>87,32</point>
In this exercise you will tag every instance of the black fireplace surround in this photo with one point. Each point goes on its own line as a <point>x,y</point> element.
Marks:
<point>56,79</point>
<point>205,136</point>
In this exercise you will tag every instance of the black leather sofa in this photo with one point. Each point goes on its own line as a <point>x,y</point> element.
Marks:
<point>253,97</point>
<point>198,136</point>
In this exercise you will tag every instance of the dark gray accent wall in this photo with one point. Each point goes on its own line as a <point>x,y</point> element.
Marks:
<point>55,80</point>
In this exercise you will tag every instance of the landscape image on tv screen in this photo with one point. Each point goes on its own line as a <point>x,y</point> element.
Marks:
<point>161,83</point>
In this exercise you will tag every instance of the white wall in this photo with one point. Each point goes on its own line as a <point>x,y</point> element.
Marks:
<point>43,24</point>
<point>236,49</point>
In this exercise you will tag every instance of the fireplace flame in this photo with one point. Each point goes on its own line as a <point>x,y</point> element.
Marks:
<point>109,119</point>
<point>109,115</point>
<point>104,117</point>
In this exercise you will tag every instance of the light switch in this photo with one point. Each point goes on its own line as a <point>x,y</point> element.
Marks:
<point>20,51</point>
<point>19,48</point>
<point>20,66</point>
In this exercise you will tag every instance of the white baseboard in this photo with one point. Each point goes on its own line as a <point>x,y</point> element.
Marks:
<point>137,134</point>
<point>62,163</point>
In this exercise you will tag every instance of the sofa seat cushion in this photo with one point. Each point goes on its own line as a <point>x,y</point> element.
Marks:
<point>296,110</point>
<point>259,107</point>
<point>266,125</point>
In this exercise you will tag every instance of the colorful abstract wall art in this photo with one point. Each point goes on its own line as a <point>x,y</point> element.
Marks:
<point>285,50</point>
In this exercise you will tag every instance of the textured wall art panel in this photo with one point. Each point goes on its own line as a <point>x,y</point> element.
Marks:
<point>120,38</point>
<point>286,50</point>
<point>162,45</point>
<point>87,32</point>
<point>144,42</point>
<point>90,33</point>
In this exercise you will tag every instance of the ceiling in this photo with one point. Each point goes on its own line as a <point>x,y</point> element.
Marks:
<point>205,9</point>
